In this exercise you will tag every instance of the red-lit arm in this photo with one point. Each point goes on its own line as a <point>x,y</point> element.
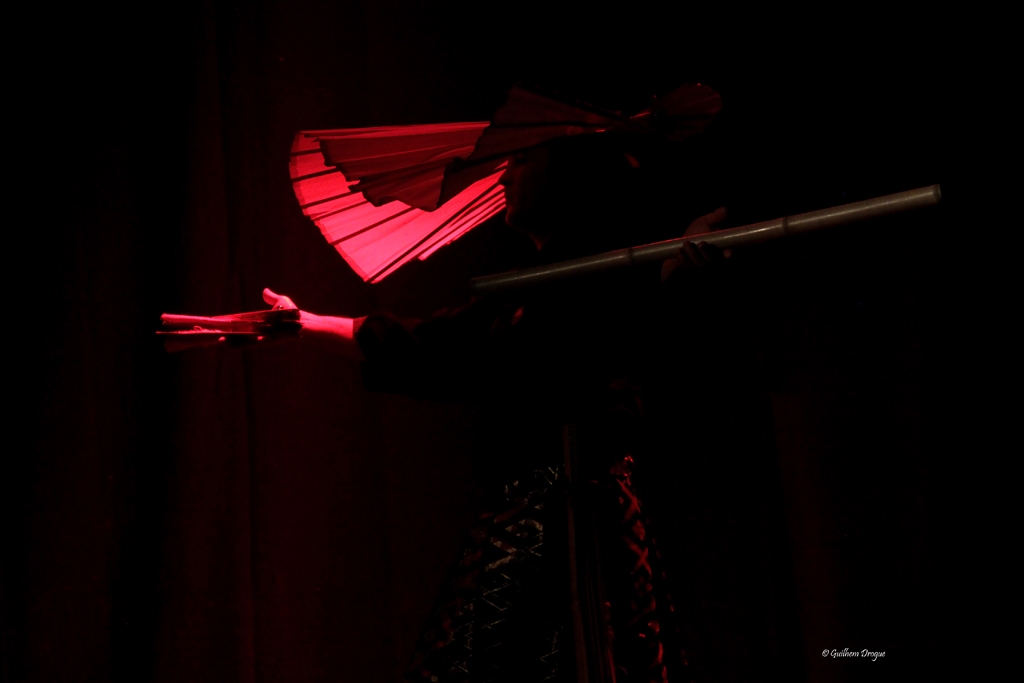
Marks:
<point>330,332</point>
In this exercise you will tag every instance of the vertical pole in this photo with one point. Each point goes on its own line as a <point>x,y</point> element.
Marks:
<point>591,637</point>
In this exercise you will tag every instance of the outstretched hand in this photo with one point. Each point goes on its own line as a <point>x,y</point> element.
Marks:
<point>331,332</point>
<point>694,255</point>
<point>278,302</point>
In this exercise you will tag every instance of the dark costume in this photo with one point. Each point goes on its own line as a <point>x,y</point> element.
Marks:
<point>535,361</point>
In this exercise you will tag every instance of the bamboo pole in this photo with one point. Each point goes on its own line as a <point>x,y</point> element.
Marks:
<point>746,235</point>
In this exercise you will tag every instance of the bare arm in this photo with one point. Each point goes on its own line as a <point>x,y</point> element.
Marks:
<point>327,331</point>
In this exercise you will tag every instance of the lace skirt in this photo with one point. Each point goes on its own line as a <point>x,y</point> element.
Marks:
<point>503,612</point>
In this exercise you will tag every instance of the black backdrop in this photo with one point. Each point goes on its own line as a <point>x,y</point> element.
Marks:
<point>255,515</point>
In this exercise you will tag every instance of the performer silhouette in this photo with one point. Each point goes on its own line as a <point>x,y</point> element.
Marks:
<point>536,361</point>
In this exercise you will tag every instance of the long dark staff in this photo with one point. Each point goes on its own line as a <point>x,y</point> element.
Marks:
<point>734,237</point>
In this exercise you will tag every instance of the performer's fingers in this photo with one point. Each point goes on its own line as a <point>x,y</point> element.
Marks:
<point>717,216</point>
<point>709,252</point>
<point>686,256</point>
<point>706,222</point>
<point>694,253</point>
<point>278,301</point>
<point>668,266</point>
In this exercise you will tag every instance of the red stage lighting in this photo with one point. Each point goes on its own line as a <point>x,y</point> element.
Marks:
<point>386,195</point>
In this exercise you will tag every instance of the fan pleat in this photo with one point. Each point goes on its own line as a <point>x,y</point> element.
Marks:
<point>303,164</point>
<point>489,207</point>
<point>457,220</point>
<point>339,227</point>
<point>418,186</point>
<point>392,220</point>
<point>315,192</point>
<point>415,233</point>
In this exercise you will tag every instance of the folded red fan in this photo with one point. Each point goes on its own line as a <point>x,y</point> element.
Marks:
<point>190,331</point>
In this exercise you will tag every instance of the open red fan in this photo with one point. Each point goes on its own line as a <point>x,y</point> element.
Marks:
<point>374,192</point>
<point>387,195</point>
